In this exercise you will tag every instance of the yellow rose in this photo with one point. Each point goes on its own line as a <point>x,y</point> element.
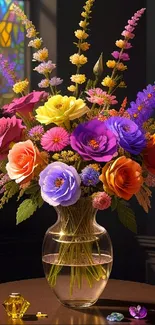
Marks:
<point>60,109</point>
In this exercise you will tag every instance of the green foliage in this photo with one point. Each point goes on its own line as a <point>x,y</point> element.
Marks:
<point>29,206</point>
<point>126,216</point>
<point>26,210</point>
<point>3,166</point>
<point>11,188</point>
<point>114,202</point>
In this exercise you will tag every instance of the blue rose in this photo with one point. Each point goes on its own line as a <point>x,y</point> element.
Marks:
<point>60,184</point>
<point>130,137</point>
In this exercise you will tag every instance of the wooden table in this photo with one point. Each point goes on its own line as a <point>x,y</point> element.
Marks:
<point>118,296</point>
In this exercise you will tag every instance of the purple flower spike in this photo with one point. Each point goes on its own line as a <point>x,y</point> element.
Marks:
<point>138,312</point>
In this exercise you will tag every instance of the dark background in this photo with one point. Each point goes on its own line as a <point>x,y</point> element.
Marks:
<point>134,256</point>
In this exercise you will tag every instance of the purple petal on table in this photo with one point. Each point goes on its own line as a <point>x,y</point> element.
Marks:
<point>138,312</point>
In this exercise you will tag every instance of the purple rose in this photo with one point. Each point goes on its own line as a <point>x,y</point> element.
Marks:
<point>129,135</point>
<point>10,132</point>
<point>93,141</point>
<point>60,184</point>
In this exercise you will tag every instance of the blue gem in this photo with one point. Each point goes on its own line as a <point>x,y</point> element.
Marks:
<point>115,317</point>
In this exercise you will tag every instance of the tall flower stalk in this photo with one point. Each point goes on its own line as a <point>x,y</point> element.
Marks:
<point>79,59</point>
<point>40,55</point>
<point>119,57</point>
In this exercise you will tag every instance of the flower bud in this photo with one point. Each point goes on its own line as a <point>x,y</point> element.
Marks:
<point>98,67</point>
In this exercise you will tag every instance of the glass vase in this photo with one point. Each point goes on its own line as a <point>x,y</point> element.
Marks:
<point>77,255</point>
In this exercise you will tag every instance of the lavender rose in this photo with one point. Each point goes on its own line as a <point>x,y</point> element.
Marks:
<point>93,141</point>
<point>10,132</point>
<point>60,184</point>
<point>25,104</point>
<point>129,135</point>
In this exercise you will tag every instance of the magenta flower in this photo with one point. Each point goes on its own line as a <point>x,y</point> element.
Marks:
<point>25,104</point>
<point>10,132</point>
<point>55,139</point>
<point>100,97</point>
<point>117,55</point>
<point>101,201</point>
<point>138,312</point>
<point>93,141</point>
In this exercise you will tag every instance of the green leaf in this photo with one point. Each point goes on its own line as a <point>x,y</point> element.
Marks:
<point>26,210</point>
<point>40,201</point>
<point>126,216</point>
<point>114,203</point>
<point>32,189</point>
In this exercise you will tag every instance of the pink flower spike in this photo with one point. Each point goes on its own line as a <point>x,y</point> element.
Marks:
<point>127,45</point>
<point>124,57</point>
<point>55,139</point>
<point>132,22</point>
<point>115,54</point>
<point>129,28</point>
<point>127,34</point>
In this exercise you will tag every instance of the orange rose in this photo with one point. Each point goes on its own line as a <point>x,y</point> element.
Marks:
<point>23,158</point>
<point>122,177</point>
<point>149,155</point>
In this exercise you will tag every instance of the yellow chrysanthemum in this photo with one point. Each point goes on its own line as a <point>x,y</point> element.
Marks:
<point>36,43</point>
<point>71,88</point>
<point>83,24</point>
<point>78,78</point>
<point>21,86</point>
<point>120,43</point>
<point>108,82</point>
<point>83,46</point>
<point>121,66</point>
<point>41,55</point>
<point>78,59</point>
<point>31,32</point>
<point>60,109</point>
<point>81,34</point>
<point>111,64</point>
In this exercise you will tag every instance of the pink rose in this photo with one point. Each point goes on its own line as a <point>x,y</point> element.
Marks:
<point>25,104</point>
<point>10,131</point>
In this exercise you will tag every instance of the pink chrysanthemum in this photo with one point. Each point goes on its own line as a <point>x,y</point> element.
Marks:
<point>100,97</point>
<point>101,201</point>
<point>55,139</point>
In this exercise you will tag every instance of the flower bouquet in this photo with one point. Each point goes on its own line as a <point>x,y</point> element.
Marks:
<point>78,152</point>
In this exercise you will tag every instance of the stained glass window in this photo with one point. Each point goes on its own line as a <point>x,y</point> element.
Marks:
<point>11,41</point>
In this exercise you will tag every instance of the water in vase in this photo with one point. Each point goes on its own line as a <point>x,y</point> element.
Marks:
<point>74,281</point>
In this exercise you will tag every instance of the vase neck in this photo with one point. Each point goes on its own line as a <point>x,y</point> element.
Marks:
<point>77,218</point>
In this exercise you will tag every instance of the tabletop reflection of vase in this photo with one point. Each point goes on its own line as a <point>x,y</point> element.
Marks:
<point>77,255</point>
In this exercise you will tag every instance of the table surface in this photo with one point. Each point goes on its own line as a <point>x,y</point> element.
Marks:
<point>117,296</point>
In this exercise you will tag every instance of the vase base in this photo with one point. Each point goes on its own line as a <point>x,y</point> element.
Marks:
<point>77,304</point>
